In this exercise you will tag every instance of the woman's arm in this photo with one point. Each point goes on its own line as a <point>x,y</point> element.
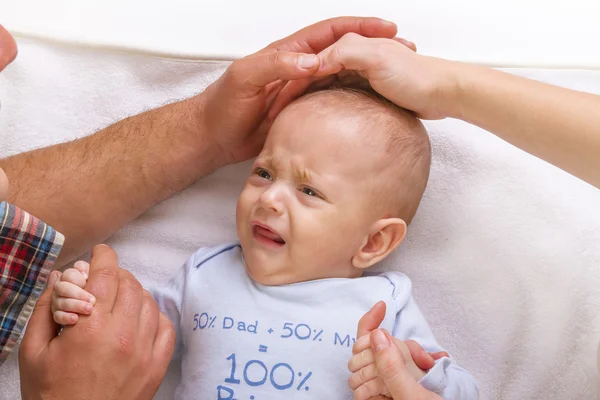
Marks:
<point>559,125</point>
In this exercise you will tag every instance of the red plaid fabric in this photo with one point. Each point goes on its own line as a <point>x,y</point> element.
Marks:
<point>28,248</point>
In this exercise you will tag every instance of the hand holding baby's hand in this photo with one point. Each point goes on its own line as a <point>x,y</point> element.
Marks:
<point>364,381</point>
<point>68,297</point>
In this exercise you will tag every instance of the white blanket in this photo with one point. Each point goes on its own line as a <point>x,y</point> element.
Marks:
<point>504,252</point>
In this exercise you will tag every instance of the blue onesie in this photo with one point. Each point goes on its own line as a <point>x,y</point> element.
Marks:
<point>238,339</point>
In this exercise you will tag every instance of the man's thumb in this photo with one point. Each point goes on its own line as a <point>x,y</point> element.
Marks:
<point>372,319</point>
<point>262,68</point>
<point>41,328</point>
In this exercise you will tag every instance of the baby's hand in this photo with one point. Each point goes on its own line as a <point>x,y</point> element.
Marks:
<point>68,297</point>
<point>364,381</point>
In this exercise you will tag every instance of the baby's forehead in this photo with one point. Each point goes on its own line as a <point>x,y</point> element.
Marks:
<point>314,128</point>
<point>347,110</point>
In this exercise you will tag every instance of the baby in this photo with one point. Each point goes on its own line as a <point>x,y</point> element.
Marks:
<point>275,316</point>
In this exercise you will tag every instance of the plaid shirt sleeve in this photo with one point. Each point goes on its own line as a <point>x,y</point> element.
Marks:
<point>28,249</point>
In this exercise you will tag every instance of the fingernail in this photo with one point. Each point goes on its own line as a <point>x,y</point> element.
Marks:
<point>428,356</point>
<point>52,278</point>
<point>308,61</point>
<point>379,340</point>
<point>389,23</point>
<point>92,300</point>
<point>88,308</point>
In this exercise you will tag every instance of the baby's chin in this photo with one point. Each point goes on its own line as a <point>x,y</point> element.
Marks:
<point>265,272</point>
<point>263,277</point>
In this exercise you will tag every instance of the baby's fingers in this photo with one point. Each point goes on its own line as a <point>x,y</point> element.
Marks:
<point>361,344</point>
<point>362,376</point>
<point>74,276</point>
<point>82,267</point>
<point>361,360</point>
<point>72,291</point>
<point>71,305</point>
<point>65,318</point>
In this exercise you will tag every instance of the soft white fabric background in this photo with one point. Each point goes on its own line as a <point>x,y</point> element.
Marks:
<point>503,254</point>
<point>528,33</point>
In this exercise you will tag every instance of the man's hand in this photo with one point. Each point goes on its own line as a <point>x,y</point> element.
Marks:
<point>234,108</point>
<point>120,351</point>
<point>8,48</point>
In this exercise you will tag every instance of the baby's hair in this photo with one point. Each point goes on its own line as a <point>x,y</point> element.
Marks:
<point>408,157</point>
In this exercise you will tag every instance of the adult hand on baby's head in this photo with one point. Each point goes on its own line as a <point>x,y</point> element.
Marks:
<point>120,351</point>
<point>390,66</point>
<point>235,106</point>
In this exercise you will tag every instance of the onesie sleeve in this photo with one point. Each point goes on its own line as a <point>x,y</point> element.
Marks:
<point>170,298</point>
<point>446,378</point>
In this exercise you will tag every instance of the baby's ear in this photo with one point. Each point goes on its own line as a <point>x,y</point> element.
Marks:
<point>385,236</point>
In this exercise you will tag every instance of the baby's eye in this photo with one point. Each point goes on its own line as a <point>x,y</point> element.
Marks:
<point>308,191</point>
<point>263,173</point>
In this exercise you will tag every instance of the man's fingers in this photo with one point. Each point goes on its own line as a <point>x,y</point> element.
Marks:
<point>317,37</point>
<point>129,300</point>
<point>423,359</point>
<point>148,319</point>
<point>41,328</point>
<point>254,72</point>
<point>164,343</point>
<point>372,319</point>
<point>103,282</point>
<point>8,48</point>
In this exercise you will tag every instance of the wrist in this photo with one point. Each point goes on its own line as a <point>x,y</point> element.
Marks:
<point>449,88</point>
<point>205,152</point>
<point>461,85</point>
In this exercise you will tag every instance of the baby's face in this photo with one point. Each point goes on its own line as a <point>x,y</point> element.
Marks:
<point>307,205</point>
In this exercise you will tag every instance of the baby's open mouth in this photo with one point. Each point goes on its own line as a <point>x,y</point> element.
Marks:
<point>266,235</point>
